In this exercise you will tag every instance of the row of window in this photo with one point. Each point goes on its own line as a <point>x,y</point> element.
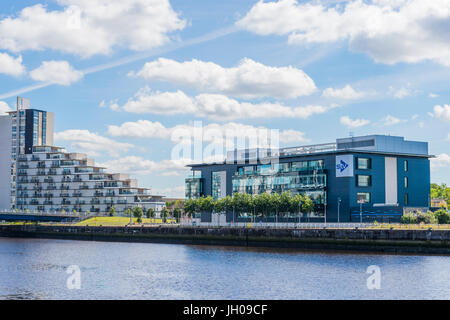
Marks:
<point>366,181</point>
<point>365,197</point>
<point>267,169</point>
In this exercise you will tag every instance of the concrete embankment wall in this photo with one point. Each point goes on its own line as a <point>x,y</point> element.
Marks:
<point>375,240</point>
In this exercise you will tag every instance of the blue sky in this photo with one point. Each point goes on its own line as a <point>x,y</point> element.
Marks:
<point>321,69</point>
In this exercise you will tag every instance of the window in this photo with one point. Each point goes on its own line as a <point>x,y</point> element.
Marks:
<point>406,182</point>
<point>405,165</point>
<point>363,196</point>
<point>364,163</point>
<point>363,180</point>
<point>406,199</point>
<point>299,165</point>
<point>316,164</point>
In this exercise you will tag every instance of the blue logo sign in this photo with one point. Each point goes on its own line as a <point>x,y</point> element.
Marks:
<point>342,166</point>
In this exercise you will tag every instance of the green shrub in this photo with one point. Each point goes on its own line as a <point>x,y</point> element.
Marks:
<point>442,216</point>
<point>409,218</point>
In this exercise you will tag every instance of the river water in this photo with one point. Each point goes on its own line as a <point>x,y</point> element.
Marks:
<point>37,269</point>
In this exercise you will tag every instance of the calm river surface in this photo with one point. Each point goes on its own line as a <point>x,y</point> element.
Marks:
<point>36,269</point>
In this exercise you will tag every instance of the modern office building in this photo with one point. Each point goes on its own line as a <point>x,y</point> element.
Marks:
<point>37,176</point>
<point>372,177</point>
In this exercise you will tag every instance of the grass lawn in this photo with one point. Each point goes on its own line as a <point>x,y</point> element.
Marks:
<point>116,221</point>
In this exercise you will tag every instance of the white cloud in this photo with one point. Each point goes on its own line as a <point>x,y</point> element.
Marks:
<point>353,123</point>
<point>92,143</point>
<point>442,112</point>
<point>346,93</point>
<point>139,165</point>
<point>4,107</point>
<point>214,106</point>
<point>59,72</point>
<point>89,27</point>
<point>442,160</point>
<point>401,93</point>
<point>388,31</point>
<point>10,65</point>
<point>249,79</point>
<point>391,120</point>
<point>433,95</point>
<point>173,192</point>
<point>210,133</point>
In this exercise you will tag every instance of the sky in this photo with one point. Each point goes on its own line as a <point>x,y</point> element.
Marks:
<point>127,78</point>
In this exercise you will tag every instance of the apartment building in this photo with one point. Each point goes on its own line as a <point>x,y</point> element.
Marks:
<point>37,176</point>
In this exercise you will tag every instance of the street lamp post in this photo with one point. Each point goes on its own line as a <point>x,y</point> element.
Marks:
<point>339,206</point>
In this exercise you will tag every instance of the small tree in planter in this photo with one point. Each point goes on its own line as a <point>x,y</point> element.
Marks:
<point>164,214</point>
<point>150,213</point>
<point>112,211</point>
<point>138,213</point>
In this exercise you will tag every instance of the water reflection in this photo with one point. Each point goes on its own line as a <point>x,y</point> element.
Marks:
<point>36,269</point>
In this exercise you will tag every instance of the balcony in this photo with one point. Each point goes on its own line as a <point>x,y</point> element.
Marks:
<point>108,202</point>
<point>49,195</point>
<point>122,201</point>
<point>77,179</point>
<point>95,201</point>
<point>80,202</point>
<point>49,180</point>
<point>24,166</point>
<point>65,202</point>
<point>64,187</point>
<point>64,195</point>
<point>52,172</point>
<point>34,202</point>
<point>41,165</point>
<point>48,202</point>
<point>51,187</point>
<point>84,187</point>
<point>41,173</point>
<point>98,194</point>
<point>37,195</point>
<point>66,179</point>
<point>66,172</point>
<point>110,194</point>
<point>77,194</point>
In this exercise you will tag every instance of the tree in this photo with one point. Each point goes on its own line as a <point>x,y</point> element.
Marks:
<point>138,213</point>
<point>177,213</point>
<point>128,213</point>
<point>190,207</point>
<point>150,213</point>
<point>285,202</point>
<point>442,216</point>
<point>164,214</point>
<point>112,211</point>
<point>307,205</point>
<point>206,204</point>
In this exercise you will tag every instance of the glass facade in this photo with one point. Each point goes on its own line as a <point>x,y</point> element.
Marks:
<point>218,184</point>
<point>301,177</point>
<point>193,188</point>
